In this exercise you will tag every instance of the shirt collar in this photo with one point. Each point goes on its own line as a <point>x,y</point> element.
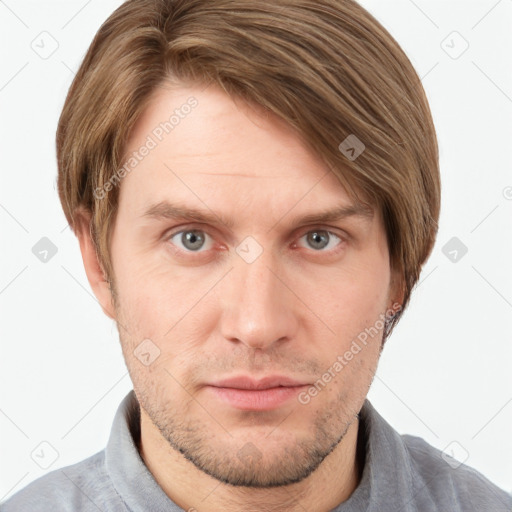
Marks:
<point>386,482</point>
<point>131,478</point>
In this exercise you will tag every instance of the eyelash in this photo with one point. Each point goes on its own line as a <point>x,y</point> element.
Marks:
<point>342,240</point>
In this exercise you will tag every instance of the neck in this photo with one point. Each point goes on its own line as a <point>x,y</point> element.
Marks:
<point>191,489</point>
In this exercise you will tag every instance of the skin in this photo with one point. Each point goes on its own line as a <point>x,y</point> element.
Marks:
<point>292,311</point>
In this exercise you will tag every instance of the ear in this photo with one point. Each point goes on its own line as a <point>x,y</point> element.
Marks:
<point>92,265</point>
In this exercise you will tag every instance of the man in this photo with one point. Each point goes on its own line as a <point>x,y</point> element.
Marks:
<point>255,188</point>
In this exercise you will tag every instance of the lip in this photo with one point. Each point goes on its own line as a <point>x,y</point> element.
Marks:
<point>251,394</point>
<point>267,382</point>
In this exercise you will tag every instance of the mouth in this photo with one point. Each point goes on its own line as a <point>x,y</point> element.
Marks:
<point>250,394</point>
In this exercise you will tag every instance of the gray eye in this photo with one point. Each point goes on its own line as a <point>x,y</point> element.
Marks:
<point>192,240</point>
<point>321,238</point>
<point>189,240</point>
<point>318,239</point>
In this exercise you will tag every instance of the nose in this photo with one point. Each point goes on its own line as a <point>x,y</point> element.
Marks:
<point>258,306</point>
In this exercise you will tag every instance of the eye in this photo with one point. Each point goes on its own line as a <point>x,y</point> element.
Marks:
<point>191,240</point>
<point>197,241</point>
<point>320,239</point>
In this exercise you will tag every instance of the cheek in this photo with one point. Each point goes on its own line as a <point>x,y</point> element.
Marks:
<point>351,297</point>
<point>167,305</point>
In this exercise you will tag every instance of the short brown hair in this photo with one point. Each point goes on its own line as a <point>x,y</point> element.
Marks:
<point>327,67</point>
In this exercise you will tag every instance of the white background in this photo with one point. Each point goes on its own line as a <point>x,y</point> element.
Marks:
<point>445,374</point>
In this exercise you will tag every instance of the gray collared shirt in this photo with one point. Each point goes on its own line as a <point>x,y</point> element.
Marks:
<point>402,473</point>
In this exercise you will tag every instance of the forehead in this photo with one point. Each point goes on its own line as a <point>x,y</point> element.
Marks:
<point>210,150</point>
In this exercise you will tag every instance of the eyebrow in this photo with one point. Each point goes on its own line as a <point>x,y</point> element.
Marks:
<point>167,210</point>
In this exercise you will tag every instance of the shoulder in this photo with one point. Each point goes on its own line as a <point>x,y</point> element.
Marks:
<point>81,487</point>
<point>440,478</point>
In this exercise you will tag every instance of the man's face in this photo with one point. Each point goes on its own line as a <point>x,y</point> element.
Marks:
<point>268,295</point>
